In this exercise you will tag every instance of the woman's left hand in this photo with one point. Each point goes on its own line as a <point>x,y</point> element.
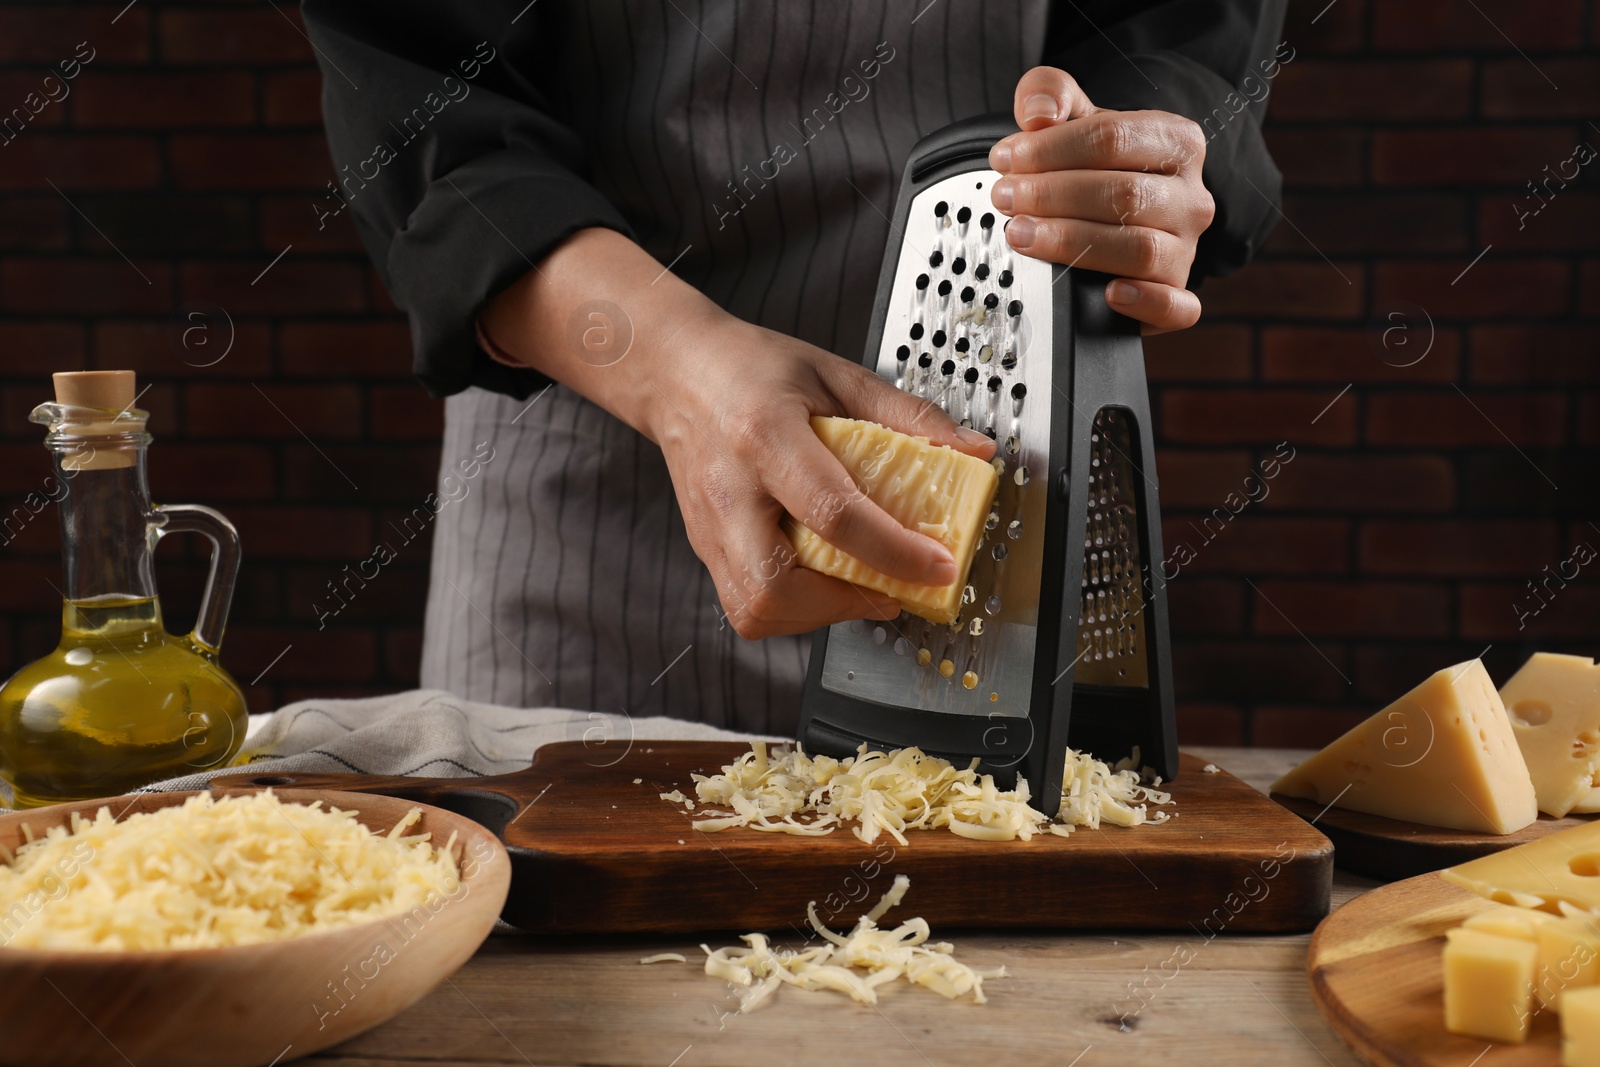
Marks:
<point>1112,191</point>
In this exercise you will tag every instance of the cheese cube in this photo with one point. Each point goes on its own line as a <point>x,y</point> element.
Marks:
<point>1554,703</point>
<point>933,490</point>
<point>1580,1028</point>
<point>1488,985</point>
<point>1443,755</point>
<point>1569,958</point>
<point>1508,921</point>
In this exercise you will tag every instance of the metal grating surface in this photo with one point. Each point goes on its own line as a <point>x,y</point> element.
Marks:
<point>1111,623</point>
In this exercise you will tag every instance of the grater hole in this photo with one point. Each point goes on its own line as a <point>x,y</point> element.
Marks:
<point>941,209</point>
<point>992,605</point>
<point>916,331</point>
<point>991,301</point>
<point>1008,360</point>
<point>945,287</point>
<point>985,354</point>
<point>1005,277</point>
<point>1019,391</point>
<point>936,259</point>
<point>989,432</point>
<point>958,265</point>
<point>964,214</point>
<point>922,281</point>
<point>987,222</point>
<point>902,353</point>
<point>994,385</point>
<point>999,552</point>
<point>981,271</point>
<point>901,646</point>
<point>925,360</point>
<point>938,338</point>
<point>972,375</point>
<point>947,368</point>
<point>1013,444</point>
<point>1014,308</point>
<point>962,344</point>
<point>968,294</point>
<point>1022,479</point>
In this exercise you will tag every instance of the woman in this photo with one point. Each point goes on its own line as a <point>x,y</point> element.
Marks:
<point>630,234</point>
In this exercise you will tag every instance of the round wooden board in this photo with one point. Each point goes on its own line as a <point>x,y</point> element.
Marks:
<point>1377,976</point>
<point>1390,848</point>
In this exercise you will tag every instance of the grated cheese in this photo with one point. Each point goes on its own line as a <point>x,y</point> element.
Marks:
<point>885,955</point>
<point>906,789</point>
<point>665,957</point>
<point>215,871</point>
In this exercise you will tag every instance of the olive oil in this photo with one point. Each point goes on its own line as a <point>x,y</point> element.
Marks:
<point>118,704</point>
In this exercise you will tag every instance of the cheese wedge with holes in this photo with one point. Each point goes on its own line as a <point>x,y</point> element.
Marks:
<point>931,489</point>
<point>1561,869</point>
<point>1488,985</point>
<point>1554,704</point>
<point>1443,755</point>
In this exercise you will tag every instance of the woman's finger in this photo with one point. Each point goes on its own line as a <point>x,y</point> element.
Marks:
<point>863,395</point>
<point>1160,307</point>
<point>1123,198</point>
<point>1046,95</point>
<point>1106,140</point>
<point>1126,251</point>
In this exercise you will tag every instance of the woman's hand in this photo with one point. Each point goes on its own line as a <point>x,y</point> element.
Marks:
<point>1112,191</point>
<point>743,453</point>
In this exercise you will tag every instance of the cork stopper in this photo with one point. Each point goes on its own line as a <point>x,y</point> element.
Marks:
<point>110,390</point>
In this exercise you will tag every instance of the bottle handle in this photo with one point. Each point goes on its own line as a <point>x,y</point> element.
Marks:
<point>220,580</point>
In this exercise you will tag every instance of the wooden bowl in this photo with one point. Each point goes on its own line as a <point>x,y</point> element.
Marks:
<point>248,1004</point>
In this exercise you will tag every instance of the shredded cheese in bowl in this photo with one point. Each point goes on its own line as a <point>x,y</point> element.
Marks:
<point>215,871</point>
<point>907,789</point>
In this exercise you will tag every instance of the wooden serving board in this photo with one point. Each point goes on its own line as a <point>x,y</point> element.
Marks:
<point>592,851</point>
<point>1390,848</point>
<point>1377,976</point>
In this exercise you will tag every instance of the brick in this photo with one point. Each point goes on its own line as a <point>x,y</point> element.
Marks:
<point>25,585</point>
<point>1589,289</point>
<point>250,161</point>
<point>1254,544</point>
<point>165,224</point>
<point>1301,727</point>
<point>83,286</point>
<point>1452,419</point>
<point>402,657</point>
<point>1435,25</point>
<point>293,221</point>
<point>183,346</point>
<point>274,411</point>
<point>1389,350</point>
<point>1347,224</point>
<point>1207,352</point>
<point>291,286</point>
<point>1344,484</point>
<point>37,349</point>
<point>72,162</point>
<point>1512,89</point>
<point>313,655</point>
<point>47,108</point>
<point>1206,607</point>
<point>346,350</point>
<point>406,413</point>
<point>279,532</point>
<point>1539,484</point>
<point>1316,29</point>
<point>1287,290</point>
<point>1386,671</point>
<point>1351,609</point>
<point>1196,480</point>
<point>163,100</point>
<point>395,591</point>
<point>211,472</point>
<point>235,37</point>
<point>1516,611</point>
<point>1210,724</point>
<point>1491,288</point>
<point>1258,416</point>
<point>1563,222</point>
<point>51,34</point>
<point>1381,91</point>
<point>293,98</point>
<point>1457,547</point>
<point>1535,355</point>
<point>1319,158</point>
<point>35,223</point>
<point>1277,670</point>
<point>387,473</point>
<point>1589,418</point>
<point>1493,155</point>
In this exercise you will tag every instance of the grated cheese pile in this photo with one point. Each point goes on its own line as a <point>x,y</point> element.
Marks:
<point>884,955</point>
<point>891,792</point>
<point>215,871</point>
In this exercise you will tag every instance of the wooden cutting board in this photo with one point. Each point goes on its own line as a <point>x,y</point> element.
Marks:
<point>1390,848</point>
<point>1378,978</point>
<point>593,850</point>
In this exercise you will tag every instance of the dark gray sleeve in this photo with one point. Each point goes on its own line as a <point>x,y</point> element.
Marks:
<point>1211,61</point>
<point>454,161</point>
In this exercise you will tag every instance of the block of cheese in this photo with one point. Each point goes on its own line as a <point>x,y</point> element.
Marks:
<point>1580,1028</point>
<point>1569,958</point>
<point>1547,873</point>
<point>1507,921</point>
<point>1588,805</point>
<point>1488,984</point>
<point>931,489</point>
<point>1443,755</point>
<point>1554,703</point>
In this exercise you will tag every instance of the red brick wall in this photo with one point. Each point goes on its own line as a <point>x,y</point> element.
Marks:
<point>1420,500</point>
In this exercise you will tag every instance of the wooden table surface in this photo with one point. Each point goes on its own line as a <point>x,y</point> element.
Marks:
<point>1070,1000</point>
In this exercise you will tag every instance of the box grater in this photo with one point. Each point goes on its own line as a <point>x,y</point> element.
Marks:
<point>1062,637</point>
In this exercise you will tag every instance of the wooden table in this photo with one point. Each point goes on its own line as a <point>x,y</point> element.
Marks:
<point>1070,1000</point>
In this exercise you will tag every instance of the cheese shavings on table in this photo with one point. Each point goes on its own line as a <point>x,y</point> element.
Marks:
<point>884,955</point>
<point>907,789</point>
<point>215,872</point>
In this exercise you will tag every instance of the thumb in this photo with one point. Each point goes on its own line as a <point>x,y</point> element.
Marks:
<point>863,395</point>
<point>1046,96</point>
